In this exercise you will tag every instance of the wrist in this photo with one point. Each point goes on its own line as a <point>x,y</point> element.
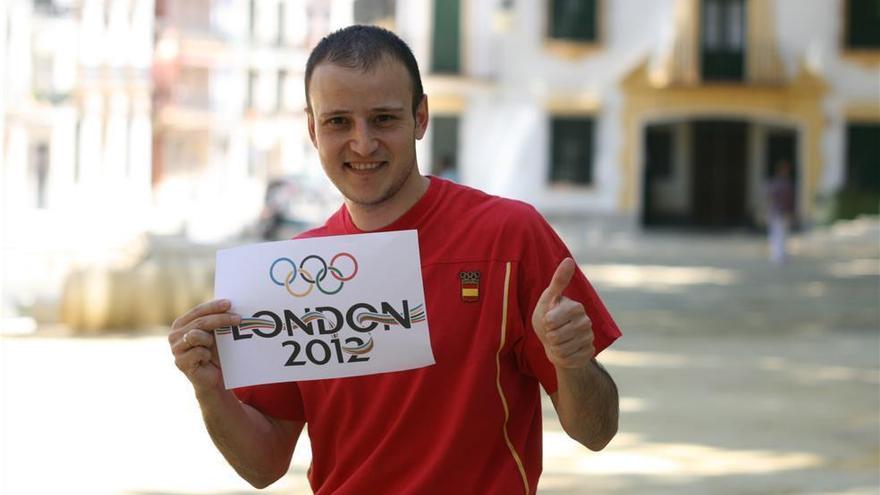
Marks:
<point>581,373</point>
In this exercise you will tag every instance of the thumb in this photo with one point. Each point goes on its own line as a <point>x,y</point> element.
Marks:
<point>561,279</point>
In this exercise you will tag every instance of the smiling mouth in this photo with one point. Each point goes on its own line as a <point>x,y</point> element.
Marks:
<point>364,166</point>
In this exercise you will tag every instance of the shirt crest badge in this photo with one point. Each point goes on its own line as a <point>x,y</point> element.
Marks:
<point>470,286</point>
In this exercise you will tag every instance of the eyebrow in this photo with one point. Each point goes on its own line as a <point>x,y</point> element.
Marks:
<point>389,109</point>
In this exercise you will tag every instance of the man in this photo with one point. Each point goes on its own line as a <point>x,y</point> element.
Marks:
<point>471,423</point>
<point>780,200</point>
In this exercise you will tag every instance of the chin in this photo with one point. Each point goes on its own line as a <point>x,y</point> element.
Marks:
<point>367,200</point>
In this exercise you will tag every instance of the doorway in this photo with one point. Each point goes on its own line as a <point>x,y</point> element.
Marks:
<point>719,186</point>
<point>699,173</point>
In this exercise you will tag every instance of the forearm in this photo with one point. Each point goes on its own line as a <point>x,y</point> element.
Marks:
<point>259,448</point>
<point>587,404</point>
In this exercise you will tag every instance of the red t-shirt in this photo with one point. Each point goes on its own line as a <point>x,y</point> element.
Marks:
<point>471,423</point>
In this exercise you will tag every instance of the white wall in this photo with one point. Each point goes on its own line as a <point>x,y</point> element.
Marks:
<point>810,33</point>
<point>505,128</point>
<point>95,216</point>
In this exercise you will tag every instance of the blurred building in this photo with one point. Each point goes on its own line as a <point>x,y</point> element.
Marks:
<point>228,107</point>
<point>653,112</point>
<point>74,138</point>
<point>628,112</point>
<point>120,117</point>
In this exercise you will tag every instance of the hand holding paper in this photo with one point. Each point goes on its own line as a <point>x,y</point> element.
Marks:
<point>193,346</point>
<point>323,308</point>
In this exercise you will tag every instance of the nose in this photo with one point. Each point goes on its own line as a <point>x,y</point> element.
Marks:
<point>363,142</point>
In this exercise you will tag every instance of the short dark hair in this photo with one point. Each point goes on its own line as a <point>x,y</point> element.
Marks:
<point>363,47</point>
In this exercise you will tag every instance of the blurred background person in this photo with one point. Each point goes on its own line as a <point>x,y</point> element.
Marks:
<point>780,205</point>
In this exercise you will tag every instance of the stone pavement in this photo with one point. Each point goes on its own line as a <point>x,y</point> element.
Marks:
<point>736,377</point>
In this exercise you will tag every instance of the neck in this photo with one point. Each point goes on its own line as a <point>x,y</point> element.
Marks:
<point>374,217</point>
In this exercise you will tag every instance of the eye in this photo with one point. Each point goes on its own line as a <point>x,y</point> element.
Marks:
<point>336,121</point>
<point>385,118</point>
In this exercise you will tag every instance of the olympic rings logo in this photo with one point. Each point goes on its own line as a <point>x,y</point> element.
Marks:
<point>306,275</point>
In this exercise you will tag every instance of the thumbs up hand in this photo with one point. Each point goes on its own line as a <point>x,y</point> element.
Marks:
<point>562,324</point>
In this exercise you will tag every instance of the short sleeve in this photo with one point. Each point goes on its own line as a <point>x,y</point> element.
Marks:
<point>542,251</point>
<point>279,400</point>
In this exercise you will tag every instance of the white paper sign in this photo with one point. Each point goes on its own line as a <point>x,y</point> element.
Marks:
<point>323,308</point>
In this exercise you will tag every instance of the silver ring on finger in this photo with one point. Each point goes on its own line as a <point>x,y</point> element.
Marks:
<point>186,341</point>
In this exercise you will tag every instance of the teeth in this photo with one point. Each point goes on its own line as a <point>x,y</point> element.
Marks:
<point>364,165</point>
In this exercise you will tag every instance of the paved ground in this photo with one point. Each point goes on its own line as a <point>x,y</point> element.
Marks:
<point>736,378</point>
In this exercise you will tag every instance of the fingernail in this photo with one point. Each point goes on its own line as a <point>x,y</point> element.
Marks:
<point>236,319</point>
<point>224,303</point>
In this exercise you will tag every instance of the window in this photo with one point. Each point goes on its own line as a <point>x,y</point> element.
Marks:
<point>258,161</point>
<point>444,146</point>
<point>863,24</point>
<point>161,8</point>
<point>128,132</point>
<point>77,150</point>
<point>573,20</point>
<point>571,157</point>
<point>659,151</point>
<point>52,7</point>
<point>282,18</point>
<point>251,89</point>
<point>863,157</point>
<point>252,19</point>
<point>40,175</point>
<point>377,12</point>
<point>445,57</point>
<point>280,104</point>
<point>722,46</point>
<point>43,70</point>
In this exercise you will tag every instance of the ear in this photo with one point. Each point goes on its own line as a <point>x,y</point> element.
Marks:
<point>311,119</point>
<point>422,117</point>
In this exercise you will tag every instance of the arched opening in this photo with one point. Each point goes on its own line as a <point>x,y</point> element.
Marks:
<point>711,173</point>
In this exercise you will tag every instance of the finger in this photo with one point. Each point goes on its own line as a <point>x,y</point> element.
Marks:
<point>215,355</point>
<point>210,307</point>
<point>565,311</point>
<point>561,279</point>
<point>199,338</point>
<point>181,344</point>
<point>572,351</point>
<point>190,360</point>
<point>579,329</point>
<point>207,323</point>
<point>571,348</point>
<point>560,336</point>
<point>212,322</point>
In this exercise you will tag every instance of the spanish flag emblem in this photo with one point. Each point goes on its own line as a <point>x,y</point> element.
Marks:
<point>470,286</point>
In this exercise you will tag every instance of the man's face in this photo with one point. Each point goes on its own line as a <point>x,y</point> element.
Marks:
<point>363,127</point>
